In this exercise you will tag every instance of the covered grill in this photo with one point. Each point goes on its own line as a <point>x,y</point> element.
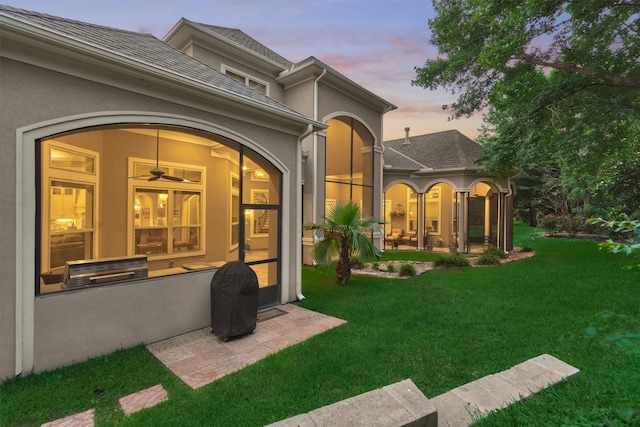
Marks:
<point>234,300</point>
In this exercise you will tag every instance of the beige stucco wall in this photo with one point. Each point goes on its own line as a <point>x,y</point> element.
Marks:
<point>71,327</point>
<point>62,329</point>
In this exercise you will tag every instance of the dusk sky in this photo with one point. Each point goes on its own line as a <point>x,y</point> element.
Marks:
<point>376,43</point>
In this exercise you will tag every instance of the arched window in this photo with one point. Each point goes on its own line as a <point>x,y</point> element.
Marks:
<point>184,199</point>
<point>349,164</point>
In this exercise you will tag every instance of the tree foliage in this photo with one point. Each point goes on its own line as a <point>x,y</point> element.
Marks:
<point>559,84</point>
<point>484,42</point>
<point>344,235</point>
<point>629,229</point>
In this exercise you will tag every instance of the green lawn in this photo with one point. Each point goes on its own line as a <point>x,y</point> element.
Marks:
<point>441,329</point>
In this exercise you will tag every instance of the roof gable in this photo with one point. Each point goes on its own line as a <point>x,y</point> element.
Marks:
<point>243,39</point>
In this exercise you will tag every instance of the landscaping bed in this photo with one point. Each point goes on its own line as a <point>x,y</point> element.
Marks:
<point>383,269</point>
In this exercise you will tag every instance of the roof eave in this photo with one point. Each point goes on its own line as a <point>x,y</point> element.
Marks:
<point>31,33</point>
<point>313,67</point>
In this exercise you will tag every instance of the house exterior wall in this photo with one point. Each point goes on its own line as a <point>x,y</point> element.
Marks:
<point>38,333</point>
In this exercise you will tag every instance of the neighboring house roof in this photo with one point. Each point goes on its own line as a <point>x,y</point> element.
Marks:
<point>144,50</point>
<point>447,150</point>
<point>247,41</point>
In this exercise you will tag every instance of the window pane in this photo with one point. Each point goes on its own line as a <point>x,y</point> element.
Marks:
<point>71,206</point>
<point>186,239</point>
<point>261,180</point>
<point>186,208</point>
<point>258,86</point>
<point>338,151</point>
<point>267,273</point>
<point>152,207</point>
<point>188,175</point>
<point>261,233</point>
<point>71,161</point>
<point>235,76</point>
<point>338,193</point>
<point>70,246</point>
<point>151,241</point>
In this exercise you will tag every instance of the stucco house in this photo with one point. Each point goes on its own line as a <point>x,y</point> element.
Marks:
<point>435,195</point>
<point>133,166</point>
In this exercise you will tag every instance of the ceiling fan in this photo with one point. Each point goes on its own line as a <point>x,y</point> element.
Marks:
<point>157,173</point>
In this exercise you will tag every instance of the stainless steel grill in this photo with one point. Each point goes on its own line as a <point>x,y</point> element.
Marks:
<point>102,271</point>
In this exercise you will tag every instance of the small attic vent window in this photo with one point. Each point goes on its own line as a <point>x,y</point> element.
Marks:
<point>247,80</point>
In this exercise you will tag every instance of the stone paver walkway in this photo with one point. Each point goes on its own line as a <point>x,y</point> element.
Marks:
<point>82,419</point>
<point>199,357</point>
<point>143,399</point>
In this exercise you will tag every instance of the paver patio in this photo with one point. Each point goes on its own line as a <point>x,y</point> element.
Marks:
<point>199,357</point>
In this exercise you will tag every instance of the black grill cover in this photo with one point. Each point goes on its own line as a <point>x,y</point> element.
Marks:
<point>234,300</point>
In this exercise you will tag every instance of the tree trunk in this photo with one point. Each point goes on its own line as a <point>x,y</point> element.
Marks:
<point>343,269</point>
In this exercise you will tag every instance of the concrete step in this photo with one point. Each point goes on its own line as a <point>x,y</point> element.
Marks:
<point>462,405</point>
<point>399,404</point>
<point>403,404</point>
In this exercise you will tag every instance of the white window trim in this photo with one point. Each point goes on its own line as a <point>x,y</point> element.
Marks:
<point>247,77</point>
<point>136,183</point>
<point>48,174</point>
<point>234,191</point>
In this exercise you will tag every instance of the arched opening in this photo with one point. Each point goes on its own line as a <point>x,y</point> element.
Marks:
<point>349,164</point>
<point>483,216</point>
<point>185,199</point>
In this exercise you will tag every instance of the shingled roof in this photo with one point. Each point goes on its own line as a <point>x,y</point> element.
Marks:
<point>247,41</point>
<point>141,48</point>
<point>433,151</point>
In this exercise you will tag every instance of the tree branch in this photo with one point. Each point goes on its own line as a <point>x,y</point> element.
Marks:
<point>616,79</point>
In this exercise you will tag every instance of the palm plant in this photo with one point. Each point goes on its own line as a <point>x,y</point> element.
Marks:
<point>344,235</point>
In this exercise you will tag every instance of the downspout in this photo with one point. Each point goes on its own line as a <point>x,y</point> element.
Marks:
<point>315,145</point>
<point>298,226</point>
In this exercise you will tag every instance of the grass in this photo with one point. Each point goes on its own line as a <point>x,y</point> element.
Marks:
<point>441,329</point>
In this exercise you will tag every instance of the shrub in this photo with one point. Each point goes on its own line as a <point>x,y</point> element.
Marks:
<point>488,258</point>
<point>357,263</point>
<point>526,249</point>
<point>453,260</point>
<point>407,269</point>
<point>375,265</point>
<point>391,268</point>
<point>549,223</point>
<point>571,224</point>
<point>494,250</point>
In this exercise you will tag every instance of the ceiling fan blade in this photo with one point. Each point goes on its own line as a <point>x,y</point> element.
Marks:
<point>154,178</point>
<point>172,178</point>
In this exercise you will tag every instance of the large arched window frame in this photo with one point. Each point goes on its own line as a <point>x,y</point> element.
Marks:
<point>226,204</point>
<point>349,164</point>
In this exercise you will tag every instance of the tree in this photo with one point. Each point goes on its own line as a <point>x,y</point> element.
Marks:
<point>559,83</point>
<point>484,42</point>
<point>344,235</point>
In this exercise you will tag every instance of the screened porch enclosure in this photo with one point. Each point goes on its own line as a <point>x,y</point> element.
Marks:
<point>185,199</point>
<point>442,218</point>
